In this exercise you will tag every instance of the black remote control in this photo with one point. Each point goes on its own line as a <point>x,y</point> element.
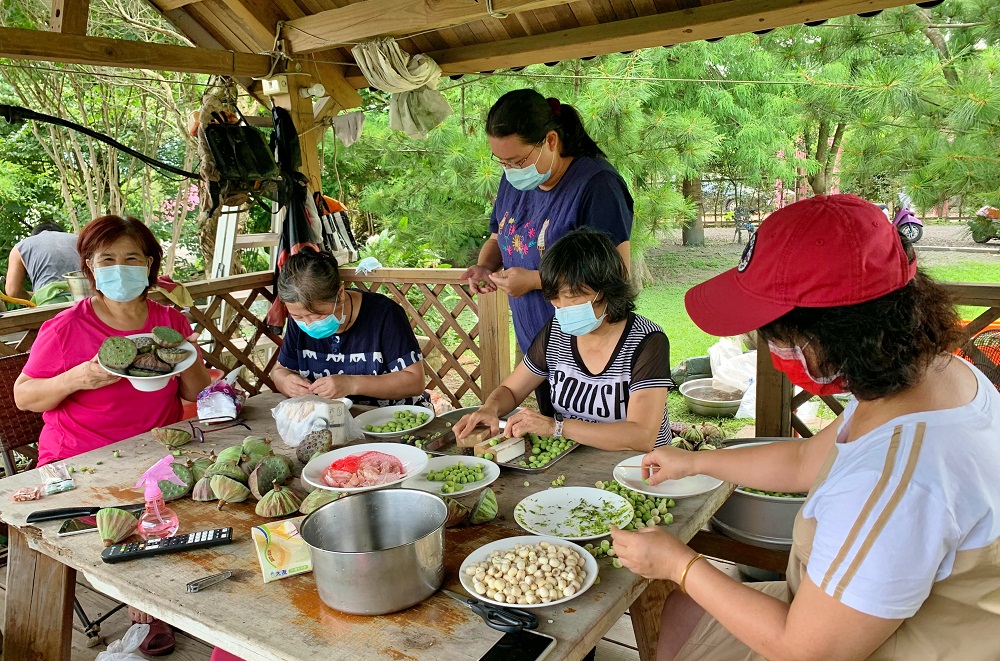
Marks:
<point>192,540</point>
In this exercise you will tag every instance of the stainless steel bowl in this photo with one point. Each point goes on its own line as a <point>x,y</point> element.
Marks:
<point>708,397</point>
<point>377,552</point>
<point>759,520</point>
<point>79,286</point>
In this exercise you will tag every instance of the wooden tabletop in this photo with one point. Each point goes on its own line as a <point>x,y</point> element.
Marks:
<point>285,619</point>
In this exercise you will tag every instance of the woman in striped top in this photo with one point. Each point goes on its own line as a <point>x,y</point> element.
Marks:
<point>609,368</point>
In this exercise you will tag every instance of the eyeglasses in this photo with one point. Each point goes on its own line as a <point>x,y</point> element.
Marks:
<point>516,165</point>
<point>199,433</point>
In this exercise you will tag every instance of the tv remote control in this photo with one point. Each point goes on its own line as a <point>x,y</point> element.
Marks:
<point>192,540</point>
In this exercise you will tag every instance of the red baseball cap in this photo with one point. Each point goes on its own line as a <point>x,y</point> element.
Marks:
<point>823,252</point>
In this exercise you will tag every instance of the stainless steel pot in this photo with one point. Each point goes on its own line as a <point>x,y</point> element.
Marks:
<point>702,396</point>
<point>79,286</point>
<point>756,519</point>
<point>377,552</point>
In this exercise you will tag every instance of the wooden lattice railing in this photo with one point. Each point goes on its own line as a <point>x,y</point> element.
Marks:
<point>467,350</point>
<point>776,405</point>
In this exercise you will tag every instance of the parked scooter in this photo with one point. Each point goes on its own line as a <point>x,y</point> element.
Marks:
<point>986,225</point>
<point>906,221</point>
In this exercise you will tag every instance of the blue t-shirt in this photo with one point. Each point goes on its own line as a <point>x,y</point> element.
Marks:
<point>590,194</point>
<point>379,342</point>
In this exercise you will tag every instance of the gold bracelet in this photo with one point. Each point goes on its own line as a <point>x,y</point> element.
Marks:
<point>684,573</point>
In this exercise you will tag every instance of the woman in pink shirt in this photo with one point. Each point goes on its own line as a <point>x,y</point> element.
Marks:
<point>85,407</point>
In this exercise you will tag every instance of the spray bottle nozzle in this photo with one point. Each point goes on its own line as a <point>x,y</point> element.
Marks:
<point>161,470</point>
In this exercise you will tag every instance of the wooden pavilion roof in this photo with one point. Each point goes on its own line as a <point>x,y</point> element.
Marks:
<point>463,36</point>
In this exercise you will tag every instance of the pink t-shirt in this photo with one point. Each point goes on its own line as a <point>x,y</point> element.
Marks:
<point>90,419</point>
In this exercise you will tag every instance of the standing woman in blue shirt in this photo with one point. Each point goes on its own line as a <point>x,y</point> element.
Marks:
<point>556,179</point>
<point>343,342</point>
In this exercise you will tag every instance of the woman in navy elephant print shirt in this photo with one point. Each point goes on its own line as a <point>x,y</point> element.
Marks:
<point>343,342</point>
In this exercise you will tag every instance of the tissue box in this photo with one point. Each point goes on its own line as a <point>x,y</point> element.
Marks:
<point>280,549</point>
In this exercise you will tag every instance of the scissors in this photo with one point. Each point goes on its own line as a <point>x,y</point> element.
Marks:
<point>498,617</point>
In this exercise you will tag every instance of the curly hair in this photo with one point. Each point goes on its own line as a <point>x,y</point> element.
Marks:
<point>882,346</point>
<point>587,259</point>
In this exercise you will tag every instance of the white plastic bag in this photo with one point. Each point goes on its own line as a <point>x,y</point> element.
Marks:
<point>730,365</point>
<point>298,416</point>
<point>126,649</point>
<point>748,405</point>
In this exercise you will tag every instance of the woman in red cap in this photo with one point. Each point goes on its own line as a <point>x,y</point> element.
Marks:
<point>896,551</point>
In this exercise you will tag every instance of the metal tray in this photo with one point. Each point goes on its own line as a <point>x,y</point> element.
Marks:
<point>445,445</point>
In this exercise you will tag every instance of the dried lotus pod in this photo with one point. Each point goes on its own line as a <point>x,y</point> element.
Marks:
<point>143,343</point>
<point>149,361</point>
<point>165,336</point>
<point>317,499</point>
<point>279,501</point>
<point>228,490</point>
<point>117,352</point>
<point>115,524</point>
<point>228,469</point>
<point>315,442</point>
<point>172,355</point>
<point>202,491</point>
<point>170,437</point>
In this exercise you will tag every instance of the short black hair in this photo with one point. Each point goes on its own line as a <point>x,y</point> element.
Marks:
<point>586,258</point>
<point>882,346</point>
<point>310,278</point>
<point>46,226</point>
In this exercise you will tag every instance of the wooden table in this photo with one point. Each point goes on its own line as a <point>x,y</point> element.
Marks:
<point>285,619</point>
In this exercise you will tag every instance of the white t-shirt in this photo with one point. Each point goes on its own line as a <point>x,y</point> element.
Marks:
<point>900,501</point>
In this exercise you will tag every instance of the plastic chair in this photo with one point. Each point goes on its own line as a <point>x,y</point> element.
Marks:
<point>19,431</point>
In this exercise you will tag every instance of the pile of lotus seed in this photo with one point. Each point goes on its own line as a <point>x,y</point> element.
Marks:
<point>527,575</point>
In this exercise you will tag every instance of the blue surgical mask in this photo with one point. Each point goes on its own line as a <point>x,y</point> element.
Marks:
<point>121,283</point>
<point>322,328</point>
<point>579,319</point>
<point>528,177</point>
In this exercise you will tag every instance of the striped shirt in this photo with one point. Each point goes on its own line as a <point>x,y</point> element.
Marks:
<point>641,360</point>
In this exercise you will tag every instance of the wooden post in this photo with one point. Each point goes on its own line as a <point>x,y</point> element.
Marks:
<point>774,396</point>
<point>39,612</point>
<point>69,16</point>
<point>494,340</point>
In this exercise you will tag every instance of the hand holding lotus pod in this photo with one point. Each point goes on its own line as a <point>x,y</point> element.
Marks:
<point>228,490</point>
<point>114,525</point>
<point>279,501</point>
<point>170,437</point>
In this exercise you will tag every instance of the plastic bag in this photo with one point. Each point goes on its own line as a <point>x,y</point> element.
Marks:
<point>748,405</point>
<point>126,649</point>
<point>298,416</point>
<point>221,400</point>
<point>730,365</point>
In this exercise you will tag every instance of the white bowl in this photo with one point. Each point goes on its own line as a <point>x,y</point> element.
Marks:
<point>384,414</point>
<point>490,473</point>
<point>413,460</point>
<point>154,383</point>
<point>573,513</point>
<point>483,553</point>
<point>693,485</point>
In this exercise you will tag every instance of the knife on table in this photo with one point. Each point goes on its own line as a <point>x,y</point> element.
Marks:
<point>73,512</point>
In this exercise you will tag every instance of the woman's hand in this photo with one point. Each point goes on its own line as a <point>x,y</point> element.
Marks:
<point>517,281</point>
<point>651,552</point>
<point>472,420</point>
<point>90,376</point>
<point>527,421</point>
<point>296,385</point>
<point>479,279</point>
<point>667,463</point>
<point>333,386</point>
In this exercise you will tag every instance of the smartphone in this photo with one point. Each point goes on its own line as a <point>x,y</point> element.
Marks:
<point>523,645</point>
<point>77,526</point>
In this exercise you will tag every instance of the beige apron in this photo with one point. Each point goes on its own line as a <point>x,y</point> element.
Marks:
<point>959,620</point>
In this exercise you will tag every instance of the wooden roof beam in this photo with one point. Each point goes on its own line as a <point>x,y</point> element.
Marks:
<point>372,18</point>
<point>716,20</point>
<point>69,16</point>
<point>18,44</point>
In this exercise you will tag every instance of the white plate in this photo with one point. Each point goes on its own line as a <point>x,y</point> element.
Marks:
<point>573,513</point>
<point>490,473</point>
<point>693,485</point>
<point>483,553</point>
<point>384,414</point>
<point>154,383</point>
<point>413,461</point>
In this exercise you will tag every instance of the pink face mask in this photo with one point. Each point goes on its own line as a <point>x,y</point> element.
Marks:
<point>792,362</point>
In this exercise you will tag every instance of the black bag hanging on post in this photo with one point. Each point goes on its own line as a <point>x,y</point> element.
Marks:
<point>240,153</point>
